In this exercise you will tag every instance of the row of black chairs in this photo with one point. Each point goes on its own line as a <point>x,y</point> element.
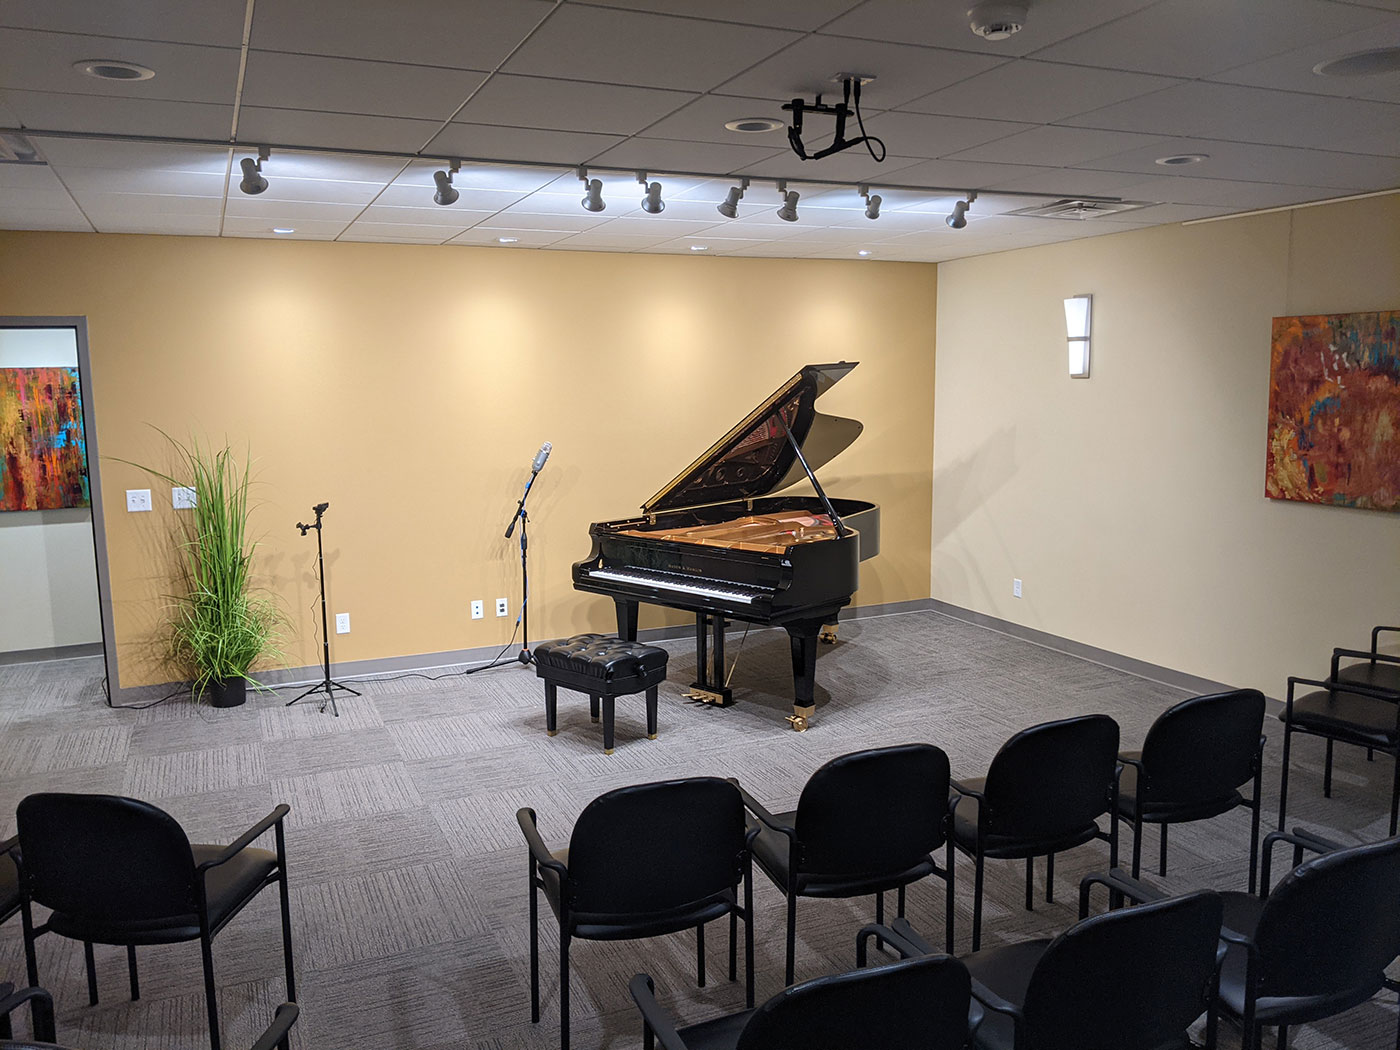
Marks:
<point>657,858</point>
<point>1132,979</point>
<point>119,871</point>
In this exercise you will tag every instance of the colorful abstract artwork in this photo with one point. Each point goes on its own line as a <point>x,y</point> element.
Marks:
<point>1334,410</point>
<point>43,457</point>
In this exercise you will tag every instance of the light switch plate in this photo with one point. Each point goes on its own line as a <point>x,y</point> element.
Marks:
<point>138,499</point>
<point>182,498</point>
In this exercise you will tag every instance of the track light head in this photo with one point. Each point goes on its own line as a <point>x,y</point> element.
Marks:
<point>593,198</point>
<point>253,183</point>
<point>788,212</point>
<point>730,208</point>
<point>446,194</point>
<point>872,203</point>
<point>957,218</point>
<point>652,203</point>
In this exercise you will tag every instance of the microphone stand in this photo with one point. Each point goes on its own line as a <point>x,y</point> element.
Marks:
<point>326,685</point>
<point>524,656</point>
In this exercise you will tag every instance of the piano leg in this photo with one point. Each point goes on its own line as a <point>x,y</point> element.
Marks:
<point>803,636</point>
<point>626,619</point>
<point>709,687</point>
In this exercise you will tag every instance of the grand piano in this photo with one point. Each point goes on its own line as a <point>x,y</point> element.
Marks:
<point>715,542</point>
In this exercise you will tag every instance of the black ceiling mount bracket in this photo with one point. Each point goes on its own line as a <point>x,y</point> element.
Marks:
<point>848,106</point>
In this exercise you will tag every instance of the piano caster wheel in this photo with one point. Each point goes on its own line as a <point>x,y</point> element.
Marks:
<point>798,722</point>
<point>827,635</point>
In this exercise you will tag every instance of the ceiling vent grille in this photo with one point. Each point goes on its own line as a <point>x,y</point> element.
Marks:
<point>1077,209</point>
<point>16,149</point>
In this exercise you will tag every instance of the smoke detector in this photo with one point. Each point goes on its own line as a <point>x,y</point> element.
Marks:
<point>997,21</point>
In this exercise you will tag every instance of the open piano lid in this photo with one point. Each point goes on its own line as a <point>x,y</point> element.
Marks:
<point>756,458</point>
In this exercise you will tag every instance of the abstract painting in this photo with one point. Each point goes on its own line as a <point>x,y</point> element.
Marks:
<point>43,457</point>
<point>1334,410</point>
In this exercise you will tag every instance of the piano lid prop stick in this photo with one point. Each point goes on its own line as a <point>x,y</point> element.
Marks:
<point>841,529</point>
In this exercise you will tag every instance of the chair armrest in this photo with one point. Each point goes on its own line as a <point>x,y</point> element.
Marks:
<point>644,995</point>
<point>41,1005</point>
<point>1312,840</point>
<point>1363,654</point>
<point>1334,686</point>
<point>988,998</point>
<point>1117,881</point>
<point>1131,760</point>
<point>1301,839</point>
<point>1376,636</point>
<point>246,839</point>
<point>760,811</point>
<point>904,930</point>
<point>908,947</point>
<point>9,844</point>
<point>282,1022</point>
<point>525,816</point>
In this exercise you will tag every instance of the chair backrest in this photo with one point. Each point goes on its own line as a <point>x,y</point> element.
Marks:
<point>918,1004</point>
<point>1202,749</point>
<point>1132,979</point>
<point>650,848</point>
<point>1052,779</point>
<point>104,857</point>
<point>872,811</point>
<point>1332,925</point>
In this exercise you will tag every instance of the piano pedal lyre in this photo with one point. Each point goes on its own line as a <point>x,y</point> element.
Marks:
<point>716,697</point>
<point>827,635</point>
<point>801,717</point>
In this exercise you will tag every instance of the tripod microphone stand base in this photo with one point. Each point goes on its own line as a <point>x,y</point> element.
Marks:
<point>328,686</point>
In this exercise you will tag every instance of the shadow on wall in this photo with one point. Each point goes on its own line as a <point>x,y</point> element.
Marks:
<point>960,489</point>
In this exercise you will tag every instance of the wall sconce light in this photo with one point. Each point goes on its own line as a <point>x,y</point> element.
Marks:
<point>1078,310</point>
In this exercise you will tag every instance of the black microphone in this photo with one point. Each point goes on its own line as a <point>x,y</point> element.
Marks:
<point>320,508</point>
<point>541,456</point>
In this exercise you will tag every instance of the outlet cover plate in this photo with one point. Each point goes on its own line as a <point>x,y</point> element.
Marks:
<point>478,609</point>
<point>183,498</point>
<point>502,608</point>
<point>342,623</point>
<point>138,499</point>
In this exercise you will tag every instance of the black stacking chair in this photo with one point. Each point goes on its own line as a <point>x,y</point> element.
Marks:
<point>1196,757</point>
<point>918,1004</point>
<point>1132,979</point>
<point>642,861</point>
<point>9,880</point>
<point>866,822</point>
<point>1043,794</point>
<point>1357,714</point>
<point>120,871</point>
<point>1375,668</point>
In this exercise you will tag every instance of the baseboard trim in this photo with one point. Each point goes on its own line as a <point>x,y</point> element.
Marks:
<point>57,652</point>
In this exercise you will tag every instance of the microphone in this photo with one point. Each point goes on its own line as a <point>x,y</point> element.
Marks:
<point>541,456</point>
<point>320,508</point>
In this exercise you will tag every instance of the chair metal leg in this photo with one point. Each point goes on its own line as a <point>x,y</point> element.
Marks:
<point>1283,776</point>
<point>1327,773</point>
<point>791,936</point>
<point>1050,879</point>
<point>899,902</point>
<point>1030,888</point>
<point>31,958</point>
<point>733,947</point>
<point>879,916</point>
<point>949,901</point>
<point>977,903</point>
<point>534,946</point>
<point>1137,844</point>
<point>700,956</point>
<point>1254,834</point>
<point>748,939</point>
<point>563,989</point>
<point>92,974</point>
<point>211,1001</point>
<point>131,972</point>
<point>286,903</point>
<point>1162,854</point>
<point>1395,795</point>
<point>1283,1037</point>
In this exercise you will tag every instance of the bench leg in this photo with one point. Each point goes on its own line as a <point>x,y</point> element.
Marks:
<point>651,713</point>
<point>593,706</point>
<point>551,708</point>
<point>607,723</point>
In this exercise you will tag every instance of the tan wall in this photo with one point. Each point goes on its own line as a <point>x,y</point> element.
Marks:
<point>410,386</point>
<point>1132,504</point>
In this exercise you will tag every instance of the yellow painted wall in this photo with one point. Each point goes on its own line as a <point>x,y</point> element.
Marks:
<point>1132,504</point>
<point>410,387</point>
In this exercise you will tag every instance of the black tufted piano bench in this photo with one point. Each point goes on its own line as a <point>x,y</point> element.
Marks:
<point>605,668</point>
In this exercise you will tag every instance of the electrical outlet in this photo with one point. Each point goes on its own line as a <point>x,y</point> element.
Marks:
<point>1015,588</point>
<point>183,498</point>
<point>138,499</point>
<point>478,609</point>
<point>501,609</point>
<point>342,623</point>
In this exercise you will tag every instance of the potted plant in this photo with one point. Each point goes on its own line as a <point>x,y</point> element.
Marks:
<point>221,624</point>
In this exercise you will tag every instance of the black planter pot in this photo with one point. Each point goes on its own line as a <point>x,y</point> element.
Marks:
<point>227,692</point>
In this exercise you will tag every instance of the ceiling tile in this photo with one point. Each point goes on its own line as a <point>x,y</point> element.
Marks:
<point>311,190</point>
<point>1195,38</point>
<point>1225,193</point>
<point>453,215</point>
<point>386,234</point>
<point>257,226</point>
<point>946,25</point>
<point>8,116</point>
<point>22,217</point>
<point>424,32</point>
<point>903,72</point>
<point>544,102</point>
<point>485,141</point>
<point>958,174</point>
<point>594,43</point>
<point>299,127</point>
<point>1078,182</point>
<point>34,61</point>
<point>404,195</point>
<point>169,224</point>
<point>343,85</point>
<point>663,155</point>
<point>1293,70</point>
<point>506,179</point>
<point>781,14</point>
<point>558,222</point>
<point>134,156</point>
<point>703,121</point>
<point>330,167</point>
<point>1059,146</point>
<point>654,226</point>
<point>1252,163</point>
<point>32,178</point>
<point>1038,92</point>
<point>522,238</point>
<point>53,111</point>
<point>924,136</point>
<point>173,183</point>
<point>136,206</point>
<point>181,21</point>
<point>279,212</point>
<point>600,240</point>
<point>854,165</point>
<point>1243,114</point>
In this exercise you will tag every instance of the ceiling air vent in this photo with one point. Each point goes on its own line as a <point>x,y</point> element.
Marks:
<point>16,149</point>
<point>1076,209</point>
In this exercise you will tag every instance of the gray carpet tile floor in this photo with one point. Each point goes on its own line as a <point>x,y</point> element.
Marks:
<point>407,868</point>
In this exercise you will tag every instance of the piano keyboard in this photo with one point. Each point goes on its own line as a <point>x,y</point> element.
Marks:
<point>676,582</point>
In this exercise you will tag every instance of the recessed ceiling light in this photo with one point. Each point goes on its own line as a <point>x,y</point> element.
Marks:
<point>699,247</point>
<point>1183,158</point>
<point>1361,64</point>
<point>754,125</point>
<point>506,240</point>
<point>111,69</point>
<point>864,253</point>
<point>283,229</point>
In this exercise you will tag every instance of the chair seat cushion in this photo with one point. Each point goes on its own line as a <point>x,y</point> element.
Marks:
<point>1348,717</point>
<point>1377,675</point>
<point>9,886</point>
<point>1006,970</point>
<point>227,887</point>
<point>1007,847</point>
<point>1242,911</point>
<point>1157,811</point>
<point>771,851</point>
<point>600,655</point>
<point>721,1033</point>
